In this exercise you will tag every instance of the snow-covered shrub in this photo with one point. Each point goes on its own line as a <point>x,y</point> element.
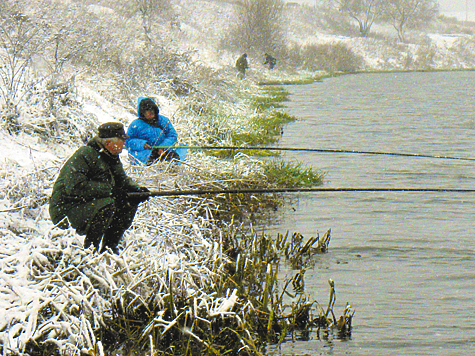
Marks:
<point>52,113</point>
<point>331,57</point>
<point>257,27</point>
<point>21,38</point>
<point>425,57</point>
<point>30,186</point>
<point>464,50</point>
<point>9,118</point>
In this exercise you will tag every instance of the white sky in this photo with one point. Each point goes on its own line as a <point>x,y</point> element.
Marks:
<point>456,5</point>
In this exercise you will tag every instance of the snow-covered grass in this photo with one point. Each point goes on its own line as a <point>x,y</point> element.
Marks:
<point>56,293</point>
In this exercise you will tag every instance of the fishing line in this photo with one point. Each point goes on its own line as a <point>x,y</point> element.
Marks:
<point>157,193</point>
<point>324,150</point>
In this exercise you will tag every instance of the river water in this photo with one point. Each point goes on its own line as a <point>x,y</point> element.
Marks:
<point>404,260</point>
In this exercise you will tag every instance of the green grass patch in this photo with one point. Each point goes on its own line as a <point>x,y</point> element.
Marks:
<point>299,80</point>
<point>232,153</point>
<point>263,130</point>
<point>271,98</point>
<point>275,173</point>
<point>292,175</point>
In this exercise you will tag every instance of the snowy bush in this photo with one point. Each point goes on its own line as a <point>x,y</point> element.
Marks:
<point>330,57</point>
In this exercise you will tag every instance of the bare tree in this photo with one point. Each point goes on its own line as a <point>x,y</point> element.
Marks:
<point>20,40</point>
<point>149,11</point>
<point>68,40</point>
<point>409,14</point>
<point>364,12</point>
<point>258,25</point>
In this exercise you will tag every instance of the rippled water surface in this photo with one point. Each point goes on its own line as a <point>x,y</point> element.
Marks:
<point>405,261</point>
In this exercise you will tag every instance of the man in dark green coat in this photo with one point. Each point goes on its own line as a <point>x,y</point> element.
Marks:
<point>242,65</point>
<point>90,193</point>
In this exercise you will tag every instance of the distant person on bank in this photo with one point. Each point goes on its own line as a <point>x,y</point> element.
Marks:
<point>151,135</point>
<point>271,61</point>
<point>90,192</point>
<point>242,65</point>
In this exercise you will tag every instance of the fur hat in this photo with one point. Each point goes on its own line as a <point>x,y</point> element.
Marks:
<point>112,129</point>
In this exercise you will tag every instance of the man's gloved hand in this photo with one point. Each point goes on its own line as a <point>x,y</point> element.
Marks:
<point>120,195</point>
<point>143,190</point>
<point>139,198</point>
<point>157,151</point>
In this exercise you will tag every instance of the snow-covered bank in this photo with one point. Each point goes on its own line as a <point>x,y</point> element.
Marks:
<point>53,289</point>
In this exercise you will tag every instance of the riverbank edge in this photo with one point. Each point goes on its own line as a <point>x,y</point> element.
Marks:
<point>320,77</point>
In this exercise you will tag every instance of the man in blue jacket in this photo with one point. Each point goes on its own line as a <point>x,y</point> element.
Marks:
<point>149,131</point>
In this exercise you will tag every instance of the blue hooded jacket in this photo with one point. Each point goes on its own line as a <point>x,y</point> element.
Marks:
<point>158,133</point>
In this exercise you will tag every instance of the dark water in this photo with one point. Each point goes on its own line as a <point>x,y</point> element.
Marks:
<point>405,261</point>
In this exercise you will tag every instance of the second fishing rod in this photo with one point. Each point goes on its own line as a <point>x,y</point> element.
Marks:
<point>323,150</point>
<point>196,192</point>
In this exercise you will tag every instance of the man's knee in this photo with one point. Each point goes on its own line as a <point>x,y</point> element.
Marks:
<point>123,216</point>
<point>100,221</point>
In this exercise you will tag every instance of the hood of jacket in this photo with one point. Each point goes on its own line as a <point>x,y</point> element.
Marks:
<point>139,102</point>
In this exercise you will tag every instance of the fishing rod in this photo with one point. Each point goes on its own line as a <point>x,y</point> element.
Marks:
<point>164,193</point>
<point>322,150</point>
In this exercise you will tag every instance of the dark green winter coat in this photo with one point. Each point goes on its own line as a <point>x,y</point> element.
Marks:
<point>241,63</point>
<point>86,183</point>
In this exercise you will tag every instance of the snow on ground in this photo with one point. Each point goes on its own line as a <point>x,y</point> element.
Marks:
<point>103,109</point>
<point>446,41</point>
<point>24,151</point>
